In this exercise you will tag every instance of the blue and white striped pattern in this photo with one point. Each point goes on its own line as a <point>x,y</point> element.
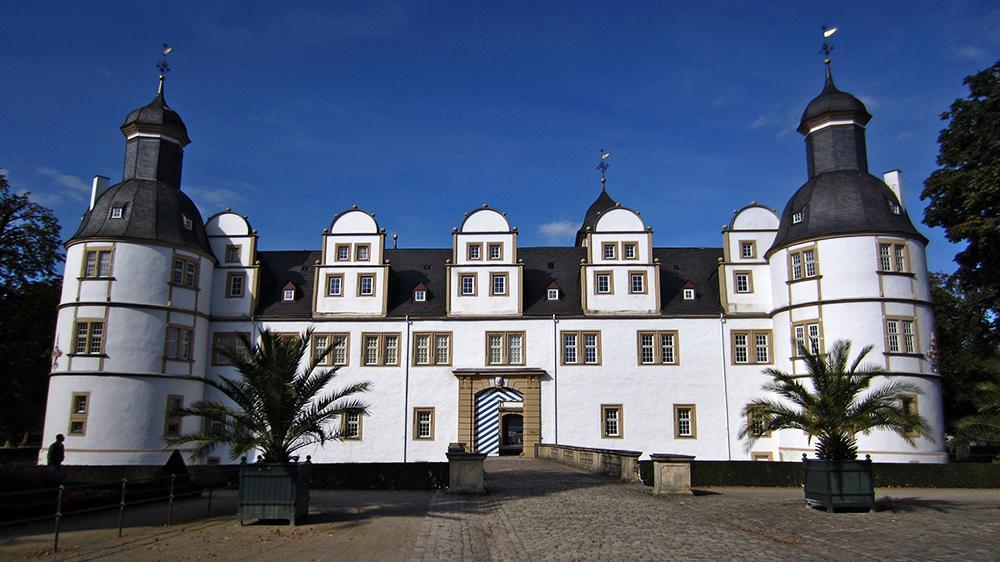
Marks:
<point>488,418</point>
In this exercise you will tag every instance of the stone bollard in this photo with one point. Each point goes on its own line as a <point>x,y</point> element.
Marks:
<point>671,474</point>
<point>466,474</point>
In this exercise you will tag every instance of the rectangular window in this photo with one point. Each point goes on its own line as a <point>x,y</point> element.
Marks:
<point>581,348</point>
<point>468,281</point>
<point>420,295</point>
<point>423,424</point>
<point>362,252</point>
<point>611,421</point>
<point>335,285</point>
<point>178,345</point>
<point>380,349</point>
<point>552,294</point>
<point>752,347</point>
<point>688,294</point>
<point>498,284</point>
<point>343,252</point>
<point>908,403</point>
<point>608,250</point>
<point>505,348</point>
<point>658,348</point>
<point>807,334</point>
<point>229,341</point>
<point>235,285</point>
<point>761,457</point>
<point>366,285</point>
<point>743,281</point>
<point>636,282</point>
<point>685,423</point>
<point>337,356</point>
<point>900,335</point>
<point>97,264</point>
<point>630,251</point>
<point>892,257</point>
<point>184,273</point>
<point>748,249</point>
<point>79,405</point>
<point>494,251</point>
<point>233,252</point>
<point>350,425</point>
<point>603,284</point>
<point>172,422</point>
<point>755,423</point>
<point>89,337</point>
<point>431,348</point>
<point>474,251</point>
<point>802,264</point>
<point>117,212</point>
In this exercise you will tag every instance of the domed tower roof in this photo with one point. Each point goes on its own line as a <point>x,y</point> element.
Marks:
<point>148,205</point>
<point>600,205</point>
<point>840,197</point>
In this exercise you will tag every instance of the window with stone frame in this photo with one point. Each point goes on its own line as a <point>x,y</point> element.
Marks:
<point>339,355</point>
<point>630,251</point>
<point>748,249</point>
<point>380,349</point>
<point>335,285</point>
<point>581,348</point>
<point>660,347</point>
<point>611,421</point>
<point>423,424</point>
<point>467,282</point>
<point>172,421</point>
<point>230,341</point>
<point>97,264</point>
<point>756,422</point>
<point>431,348</point>
<point>802,264</point>
<point>498,284</point>
<point>233,253</point>
<point>809,334</point>
<point>79,405</point>
<point>89,337</point>
<point>637,282</point>
<point>494,251</point>
<point>505,348</point>
<point>752,347</point>
<point>685,421</point>
<point>743,281</point>
<point>350,425</point>
<point>178,343</point>
<point>235,285</point>
<point>893,256</point>
<point>184,272</point>
<point>366,285</point>
<point>603,283</point>
<point>900,335</point>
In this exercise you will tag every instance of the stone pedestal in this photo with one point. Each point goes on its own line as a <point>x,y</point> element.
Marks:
<point>466,474</point>
<point>671,474</point>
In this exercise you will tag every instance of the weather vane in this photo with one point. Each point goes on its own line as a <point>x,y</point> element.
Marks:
<point>603,165</point>
<point>827,47</point>
<point>163,66</point>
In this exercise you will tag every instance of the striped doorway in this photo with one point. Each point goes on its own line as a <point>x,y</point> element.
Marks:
<point>488,404</point>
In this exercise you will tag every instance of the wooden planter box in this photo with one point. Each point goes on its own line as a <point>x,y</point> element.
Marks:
<point>274,491</point>
<point>839,484</point>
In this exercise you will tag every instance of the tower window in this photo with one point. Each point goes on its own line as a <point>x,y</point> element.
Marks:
<point>79,405</point>
<point>797,217</point>
<point>185,272</point>
<point>802,264</point>
<point>97,264</point>
<point>188,223</point>
<point>89,338</point>
<point>896,209</point>
<point>117,212</point>
<point>178,346</point>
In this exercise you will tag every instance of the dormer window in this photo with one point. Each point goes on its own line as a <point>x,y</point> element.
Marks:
<point>288,295</point>
<point>117,212</point>
<point>552,294</point>
<point>188,223</point>
<point>896,209</point>
<point>420,295</point>
<point>689,294</point>
<point>797,217</point>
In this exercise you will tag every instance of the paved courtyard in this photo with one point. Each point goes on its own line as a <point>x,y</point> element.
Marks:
<point>540,510</point>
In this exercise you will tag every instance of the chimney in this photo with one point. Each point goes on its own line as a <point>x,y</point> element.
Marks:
<point>99,186</point>
<point>894,179</point>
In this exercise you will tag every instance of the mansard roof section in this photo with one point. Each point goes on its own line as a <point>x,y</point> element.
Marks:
<point>754,217</point>
<point>354,221</point>
<point>698,266</point>
<point>485,219</point>
<point>619,219</point>
<point>412,267</point>
<point>228,223</point>
<point>278,268</point>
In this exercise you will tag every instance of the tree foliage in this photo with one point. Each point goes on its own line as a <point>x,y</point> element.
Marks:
<point>967,348</point>
<point>30,246</point>
<point>984,425</point>
<point>964,193</point>
<point>834,410</point>
<point>278,408</point>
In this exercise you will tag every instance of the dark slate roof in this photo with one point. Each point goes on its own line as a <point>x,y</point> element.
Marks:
<point>842,202</point>
<point>832,100</point>
<point>278,267</point>
<point>410,267</point>
<point>152,210</point>
<point>601,204</point>
<point>158,113</point>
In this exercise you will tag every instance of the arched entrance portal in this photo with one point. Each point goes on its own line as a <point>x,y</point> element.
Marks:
<point>487,397</point>
<point>489,404</point>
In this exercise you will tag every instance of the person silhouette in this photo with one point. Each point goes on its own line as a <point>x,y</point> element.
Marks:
<point>57,452</point>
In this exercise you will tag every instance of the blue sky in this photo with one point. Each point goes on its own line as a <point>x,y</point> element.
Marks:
<point>421,111</point>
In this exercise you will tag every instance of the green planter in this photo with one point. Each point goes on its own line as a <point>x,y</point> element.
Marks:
<point>839,484</point>
<point>274,491</point>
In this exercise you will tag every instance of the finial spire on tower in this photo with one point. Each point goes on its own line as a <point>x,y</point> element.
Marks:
<point>163,66</point>
<point>827,48</point>
<point>603,166</point>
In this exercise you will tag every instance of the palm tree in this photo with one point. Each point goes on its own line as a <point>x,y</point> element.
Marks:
<point>278,408</point>
<point>984,425</point>
<point>834,411</point>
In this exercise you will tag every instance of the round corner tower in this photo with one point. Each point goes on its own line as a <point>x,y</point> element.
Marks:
<point>848,264</point>
<point>134,313</point>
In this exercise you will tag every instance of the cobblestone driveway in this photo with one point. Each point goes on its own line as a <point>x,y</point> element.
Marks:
<point>544,511</point>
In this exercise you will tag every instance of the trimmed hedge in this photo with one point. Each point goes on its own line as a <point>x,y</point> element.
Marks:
<point>777,474</point>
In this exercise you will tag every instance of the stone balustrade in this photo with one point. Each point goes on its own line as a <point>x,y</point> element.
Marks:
<point>623,465</point>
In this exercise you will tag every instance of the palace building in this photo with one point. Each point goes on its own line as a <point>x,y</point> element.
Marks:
<point>613,342</point>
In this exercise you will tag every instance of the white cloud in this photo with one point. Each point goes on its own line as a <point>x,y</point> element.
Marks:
<point>968,52</point>
<point>65,180</point>
<point>45,199</point>
<point>212,200</point>
<point>557,231</point>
